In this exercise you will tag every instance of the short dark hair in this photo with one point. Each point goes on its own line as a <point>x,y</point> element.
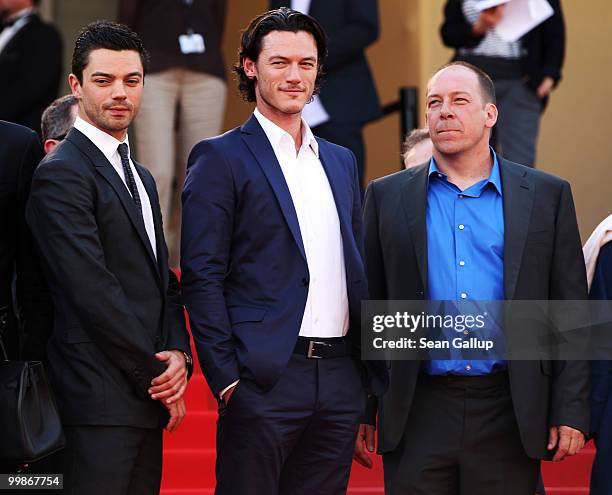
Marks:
<point>415,137</point>
<point>57,118</point>
<point>109,35</point>
<point>283,19</point>
<point>487,88</point>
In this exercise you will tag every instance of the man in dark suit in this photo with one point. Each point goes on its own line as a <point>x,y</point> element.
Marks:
<point>119,349</point>
<point>273,277</point>
<point>348,97</point>
<point>24,328</point>
<point>470,225</point>
<point>30,63</point>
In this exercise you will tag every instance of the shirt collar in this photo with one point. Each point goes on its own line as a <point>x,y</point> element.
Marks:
<point>494,176</point>
<point>12,19</point>
<point>106,143</point>
<point>276,134</point>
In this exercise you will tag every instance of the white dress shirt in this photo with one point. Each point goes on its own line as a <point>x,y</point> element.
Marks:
<point>326,312</point>
<point>107,144</point>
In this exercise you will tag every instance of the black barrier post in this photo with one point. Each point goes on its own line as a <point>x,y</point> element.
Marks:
<point>409,110</point>
<point>407,106</point>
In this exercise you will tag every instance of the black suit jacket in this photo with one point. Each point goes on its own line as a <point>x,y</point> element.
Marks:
<point>31,68</point>
<point>115,304</point>
<point>348,92</point>
<point>20,153</point>
<point>542,261</point>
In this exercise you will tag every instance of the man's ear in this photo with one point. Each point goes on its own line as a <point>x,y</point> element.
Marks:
<point>249,67</point>
<point>75,86</point>
<point>491,113</point>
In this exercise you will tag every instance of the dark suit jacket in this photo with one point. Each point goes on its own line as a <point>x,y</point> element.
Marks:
<point>601,384</point>
<point>543,47</point>
<point>244,271</point>
<point>31,68</point>
<point>348,92</point>
<point>601,370</point>
<point>20,153</point>
<point>542,261</point>
<point>115,305</point>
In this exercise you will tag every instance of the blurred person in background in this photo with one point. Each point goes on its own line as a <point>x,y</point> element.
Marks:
<point>417,148</point>
<point>30,63</point>
<point>524,72</point>
<point>57,120</point>
<point>598,258</point>
<point>185,91</point>
<point>348,99</point>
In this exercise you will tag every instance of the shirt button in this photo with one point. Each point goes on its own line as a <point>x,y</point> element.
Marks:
<point>463,295</point>
<point>461,226</point>
<point>465,332</point>
<point>468,367</point>
<point>460,196</point>
<point>440,175</point>
<point>461,263</point>
<point>316,320</point>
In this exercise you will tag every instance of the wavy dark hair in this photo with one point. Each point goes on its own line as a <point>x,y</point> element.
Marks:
<point>283,19</point>
<point>109,35</point>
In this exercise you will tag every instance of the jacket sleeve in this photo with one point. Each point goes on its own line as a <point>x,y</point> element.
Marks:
<point>570,387</point>
<point>553,43</point>
<point>360,31</point>
<point>61,215</point>
<point>32,291</point>
<point>456,30</point>
<point>208,218</point>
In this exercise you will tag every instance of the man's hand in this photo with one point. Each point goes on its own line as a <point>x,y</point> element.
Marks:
<point>568,441</point>
<point>177,413</point>
<point>365,440</point>
<point>545,87</point>
<point>172,383</point>
<point>488,18</point>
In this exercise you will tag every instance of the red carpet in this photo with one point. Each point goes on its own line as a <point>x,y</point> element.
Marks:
<point>189,456</point>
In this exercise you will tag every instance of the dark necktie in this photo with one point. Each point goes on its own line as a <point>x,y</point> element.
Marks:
<point>129,176</point>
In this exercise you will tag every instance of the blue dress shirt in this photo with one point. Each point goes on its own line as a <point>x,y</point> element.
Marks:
<point>465,249</point>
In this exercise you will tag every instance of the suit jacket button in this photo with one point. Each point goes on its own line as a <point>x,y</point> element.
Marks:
<point>305,281</point>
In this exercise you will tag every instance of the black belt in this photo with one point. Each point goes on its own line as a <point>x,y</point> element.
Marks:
<point>322,348</point>
<point>466,382</point>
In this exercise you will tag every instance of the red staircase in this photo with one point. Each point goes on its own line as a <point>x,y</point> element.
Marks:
<point>189,456</point>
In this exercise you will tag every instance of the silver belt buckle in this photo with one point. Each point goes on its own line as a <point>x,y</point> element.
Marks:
<point>311,348</point>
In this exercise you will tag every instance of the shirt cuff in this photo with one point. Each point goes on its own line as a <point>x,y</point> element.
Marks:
<point>227,388</point>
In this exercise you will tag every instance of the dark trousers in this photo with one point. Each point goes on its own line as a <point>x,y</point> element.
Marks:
<point>298,438</point>
<point>118,460</point>
<point>349,135</point>
<point>461,438</point>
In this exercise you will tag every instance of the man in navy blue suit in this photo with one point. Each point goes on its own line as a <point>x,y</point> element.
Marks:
<point>273,276</point>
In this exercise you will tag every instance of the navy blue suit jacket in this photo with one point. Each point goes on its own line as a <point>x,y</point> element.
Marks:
<point>244,272</point>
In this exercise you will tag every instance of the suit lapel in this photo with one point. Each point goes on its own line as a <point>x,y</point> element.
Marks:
<point>335,173</point>
<point>257,141</point>
<point>107,171</point>
<point>149,184</point>
<point>518,195</point>
<point>414,203</point>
